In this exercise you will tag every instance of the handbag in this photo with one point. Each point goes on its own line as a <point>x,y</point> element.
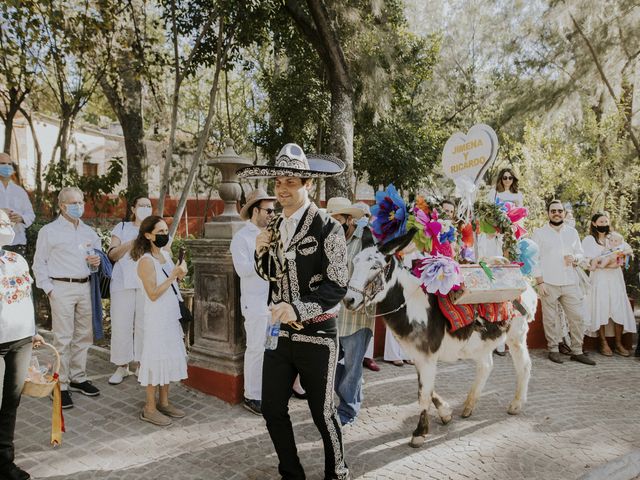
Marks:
<point>186,316</point>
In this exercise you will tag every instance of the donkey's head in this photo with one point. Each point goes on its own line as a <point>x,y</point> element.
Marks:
<point>374,272</point>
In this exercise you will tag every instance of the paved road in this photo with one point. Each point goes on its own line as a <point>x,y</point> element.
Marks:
<point>577,418</point>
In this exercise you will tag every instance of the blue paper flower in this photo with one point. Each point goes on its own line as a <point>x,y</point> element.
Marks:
<point>527,253</point>
<point>449,236</point>
<point>389,214</point>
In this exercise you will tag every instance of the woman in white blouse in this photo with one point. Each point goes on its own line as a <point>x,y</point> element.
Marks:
<point>17,335</point>
<point>127,301</point>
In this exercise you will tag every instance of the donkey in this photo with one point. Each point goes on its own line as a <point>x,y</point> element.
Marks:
<point>420,327</point>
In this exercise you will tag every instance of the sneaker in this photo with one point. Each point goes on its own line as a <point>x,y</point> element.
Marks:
<point>582,358</point>
<point>555,357</point>
<point>254,406</point>
<point>119,375</point>
<point>85,388</point>
<point>170,411</point>
<point>371,364</point>
<point>66,399</point>
<point>13,472</point>
<point>155,417</point>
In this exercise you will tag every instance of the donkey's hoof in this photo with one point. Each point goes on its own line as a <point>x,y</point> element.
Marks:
<point>445,419</point>
<point>417,442</point>
<point>515,408</point>
<point>466,413</point>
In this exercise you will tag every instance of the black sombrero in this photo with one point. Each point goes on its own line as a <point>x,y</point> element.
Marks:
<point>292,162</point>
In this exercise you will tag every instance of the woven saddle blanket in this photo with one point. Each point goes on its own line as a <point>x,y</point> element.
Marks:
<point>462,315</point>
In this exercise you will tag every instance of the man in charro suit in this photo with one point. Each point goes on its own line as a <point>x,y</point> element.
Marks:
<point>303,255</point>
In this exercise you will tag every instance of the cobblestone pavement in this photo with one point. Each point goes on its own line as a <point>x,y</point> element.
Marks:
<point>577,418</point>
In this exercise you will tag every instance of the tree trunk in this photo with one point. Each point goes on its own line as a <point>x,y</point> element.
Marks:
<point>8,129</point>
<point>38,172</point>
<point>341,141</point>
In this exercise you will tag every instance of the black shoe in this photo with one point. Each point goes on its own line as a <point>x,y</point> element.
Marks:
<point>66,399</point>
<point>254,406</point>
<point>300,396</point>
<point>85,388</point>
<point>582,358</point>
<point>501,353</point>
<point>13,472</point>
<point>555,357</point>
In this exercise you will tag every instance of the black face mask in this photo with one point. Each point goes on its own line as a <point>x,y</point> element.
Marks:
<point>556,224</point>
<point>345,227</point>
<point>603,228</point>
<point>161,240</point>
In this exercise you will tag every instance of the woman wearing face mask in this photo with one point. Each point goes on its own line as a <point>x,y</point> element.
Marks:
<point>608,311</point>
<point>14,200</point>
<point>164,358</point>
<point>127,300</point>
<point>17,335</point>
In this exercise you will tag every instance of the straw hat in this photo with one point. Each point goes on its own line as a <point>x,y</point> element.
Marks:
<point>292,162</point>
<point>342,206</point>
<point>256,196</point>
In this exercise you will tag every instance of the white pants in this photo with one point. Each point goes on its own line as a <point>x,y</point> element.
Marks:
<point>127,321</point>
<point>392,349</point>
<point>71,321</point>
<point>369,352</point>
<point>255,326</point>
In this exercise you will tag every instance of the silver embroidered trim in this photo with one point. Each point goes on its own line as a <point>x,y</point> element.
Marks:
<point>307,246</point>
<point>283,333</point>
<point>335,247</point>
<point>329,409</point>
<point>315,280</point>
<point>307,310</point>
<point>311,213</point>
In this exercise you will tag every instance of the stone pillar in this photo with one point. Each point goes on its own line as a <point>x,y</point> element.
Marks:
<point>216,359</point>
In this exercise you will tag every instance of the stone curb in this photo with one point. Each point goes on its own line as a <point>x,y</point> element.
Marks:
<point>626,467</point>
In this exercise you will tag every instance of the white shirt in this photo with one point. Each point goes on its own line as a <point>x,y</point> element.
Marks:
<point>505,196</point>
<point>124,275</point>
<point>554,245</point>
<point>290,224</point>
<point>61,251</point>
<point>16,198</point>
<point>16,307</point>
<point>254,291</point>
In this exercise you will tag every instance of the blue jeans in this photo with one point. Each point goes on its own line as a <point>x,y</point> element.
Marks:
<point>14,362</point>
<point>349,376</point>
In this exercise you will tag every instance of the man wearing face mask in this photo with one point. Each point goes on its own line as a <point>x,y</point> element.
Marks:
<point>557,281</point>
<point>254,292</point>
<point>355,329</point>
<point>15,202</point>
<point>61,266</point>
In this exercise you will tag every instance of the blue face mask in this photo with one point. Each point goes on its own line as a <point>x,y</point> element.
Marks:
<point>6,170</point>
<point>75,211</point>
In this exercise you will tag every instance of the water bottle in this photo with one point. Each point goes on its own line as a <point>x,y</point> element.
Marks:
<point>92,268</point>
<point>273,331</point>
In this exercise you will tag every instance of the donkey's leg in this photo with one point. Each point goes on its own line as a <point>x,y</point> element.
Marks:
<point>484,364</point>
<point>517,341</point>
<point>444,410</point>
<point>426,378</point>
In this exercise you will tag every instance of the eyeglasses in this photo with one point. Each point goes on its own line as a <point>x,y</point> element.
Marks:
<point>553,210</point>
<point>507,177</point>
<point>270,211</point>
<point>74,203</point>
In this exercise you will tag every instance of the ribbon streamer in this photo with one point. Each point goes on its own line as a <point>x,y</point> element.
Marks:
<point>466,190</point>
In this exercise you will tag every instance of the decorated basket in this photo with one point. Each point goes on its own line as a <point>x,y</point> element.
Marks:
<point>508,283</point>
<point>41,385</point>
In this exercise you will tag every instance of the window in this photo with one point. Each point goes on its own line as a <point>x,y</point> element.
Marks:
<point>89,169</point>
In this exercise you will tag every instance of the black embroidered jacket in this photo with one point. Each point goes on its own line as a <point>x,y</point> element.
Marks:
<point>316,275</point>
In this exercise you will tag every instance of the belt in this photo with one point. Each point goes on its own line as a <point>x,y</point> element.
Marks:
<point>72,280</point>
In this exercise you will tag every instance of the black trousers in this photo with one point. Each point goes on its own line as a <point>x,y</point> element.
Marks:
<point>312,353</point>
<point>14,362</point>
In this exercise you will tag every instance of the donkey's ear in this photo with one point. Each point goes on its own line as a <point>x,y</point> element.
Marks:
<point>397,244</point>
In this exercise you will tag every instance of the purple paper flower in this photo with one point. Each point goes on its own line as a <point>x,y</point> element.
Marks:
<point>438,274</point>
<point>390,215</point>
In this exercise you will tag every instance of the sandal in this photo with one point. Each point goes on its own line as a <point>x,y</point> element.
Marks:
<point>620,350</point>
<point>398,363</point>
<point>605,349</point>
<point>155,417</point>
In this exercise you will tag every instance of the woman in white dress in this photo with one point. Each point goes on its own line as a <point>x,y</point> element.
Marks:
<point>607,308</point>
<point>164,358</point>
<point>127,300</point>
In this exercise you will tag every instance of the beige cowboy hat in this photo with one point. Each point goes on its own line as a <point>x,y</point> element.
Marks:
<point>342,206</point>
<point>255,196</point>
<point>292,162</point>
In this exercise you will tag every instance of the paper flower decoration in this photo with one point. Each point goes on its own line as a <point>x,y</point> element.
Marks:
<point>527,255</point>
<point>389,214</point>
<point>438,274</point>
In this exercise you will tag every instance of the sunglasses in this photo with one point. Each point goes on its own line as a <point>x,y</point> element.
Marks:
<point>553,210</point>
<point>507,177</point>
<point>270,211</point>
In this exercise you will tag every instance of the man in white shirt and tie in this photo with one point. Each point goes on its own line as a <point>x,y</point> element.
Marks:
<point>15,201</point>
<point>557,281</point>
<point>61,267</point>
<point>254,292</point>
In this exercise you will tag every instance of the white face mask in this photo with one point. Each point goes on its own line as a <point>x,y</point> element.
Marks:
<point>143,212</point>
<point>6,236</point>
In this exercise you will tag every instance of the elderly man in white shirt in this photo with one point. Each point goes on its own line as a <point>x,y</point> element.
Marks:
<point>62,267</point>
<point>557,281</point>
<point>254,293</point>
<point>14,200</point>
